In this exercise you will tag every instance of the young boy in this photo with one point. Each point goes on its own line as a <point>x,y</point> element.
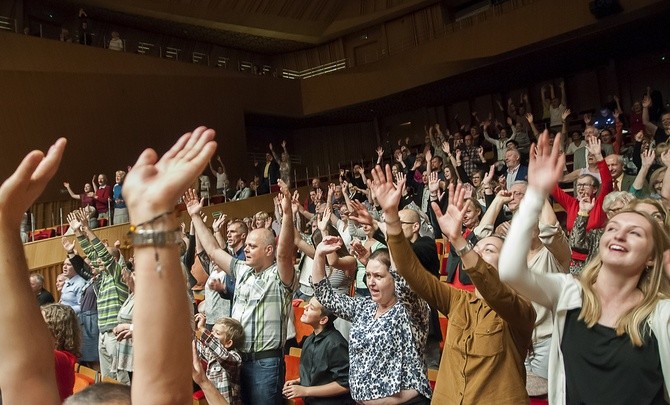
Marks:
<point>324,362</point>
<point>219,349</point>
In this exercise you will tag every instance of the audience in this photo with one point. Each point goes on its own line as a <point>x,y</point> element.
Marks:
<point>116,43</point>
<point>549,329</point>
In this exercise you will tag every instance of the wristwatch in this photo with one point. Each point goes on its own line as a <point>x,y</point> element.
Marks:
<point>465,249</point>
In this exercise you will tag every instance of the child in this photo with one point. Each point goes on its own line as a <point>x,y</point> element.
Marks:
<point>64,326</point>
<point>219,349</point>
<point>324,361</point>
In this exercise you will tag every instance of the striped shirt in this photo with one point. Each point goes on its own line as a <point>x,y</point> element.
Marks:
<point>112,291</point>
<point>261,305</point>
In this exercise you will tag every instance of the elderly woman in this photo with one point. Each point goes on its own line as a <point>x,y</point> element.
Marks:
<point>388,332</point>
<point>587,242</point>
<point>489,330</point>
<point>611,326</point>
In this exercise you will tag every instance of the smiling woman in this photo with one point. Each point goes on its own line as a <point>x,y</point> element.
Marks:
<point>612,324</point>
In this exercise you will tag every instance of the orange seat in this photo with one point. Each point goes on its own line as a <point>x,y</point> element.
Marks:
<point>292,373</point>
<point>444,322</point>
<point>81,381</point>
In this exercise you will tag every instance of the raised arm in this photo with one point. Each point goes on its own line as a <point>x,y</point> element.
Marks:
<point>529,117</point>
<point>205,237</point>
<point>545,168</point>
<point>646,103</point>
<point>564,99</point>
<point>285,245</point>
<point>665,190</point>
<point>69,190</point>
<point>162,338</point>
<point>26,345</point>
<point>648,157</point>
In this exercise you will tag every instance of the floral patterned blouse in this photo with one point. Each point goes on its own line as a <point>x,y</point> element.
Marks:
<point>385,354</point>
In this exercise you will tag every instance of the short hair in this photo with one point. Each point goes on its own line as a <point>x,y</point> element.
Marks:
<point>331,316</point>
<point>233,329</point>
<point>619,158</point>
<point>596,182</point>
<point>523,183</point>
<point>243,227</point>
<point>513,142</point>
<point>103,393</point>
<point>382,256</point>
<point>439,159</point>
<point>64,326</point>
<point>514,152</point>
<point>610,198</point>
<point>39,278</point>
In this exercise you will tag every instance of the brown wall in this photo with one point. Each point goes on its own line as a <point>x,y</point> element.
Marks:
<point>111,106</point>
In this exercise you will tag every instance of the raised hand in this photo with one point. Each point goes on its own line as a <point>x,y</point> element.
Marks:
<point>270,146</point>
<point>546,165</point>
<point>451,222</point>
<point>283,144</point>
<point>153,186</point>
<point>388,194</point>
<point>360,214</point>
<point>639,137</point>
<point>219,222</point>
<point>322,224</point>
<point>648,157</point>
<point>566,114</point>
<point>193,203</point>
<point>489,175</point>
<point>504,196</point>
<point>380,151</point>
<point>283,187</point>
<point>23,187</point>
<point>329,244</point>
<point>646,101</point>
<point>593,146</point>
<point>68,245</point>
<point>360,252</point>
<point>529,117</point>
<point>509,121</point>
<point>446,148</point>
<point>433,183</point>
<point>586,204</point>
<point>74,221</point>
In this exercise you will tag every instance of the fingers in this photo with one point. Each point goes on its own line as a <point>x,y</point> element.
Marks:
<point>47,167</point>
<point>148,157</point>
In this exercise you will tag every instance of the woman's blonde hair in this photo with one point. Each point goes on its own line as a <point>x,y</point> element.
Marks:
<point>64,326</point>
<point>653,283</point>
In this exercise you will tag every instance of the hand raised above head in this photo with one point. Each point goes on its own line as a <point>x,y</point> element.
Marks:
<point>388,194</point>
<point>154,185</point>
<point>329,244</point>
<point>546,165</point>
<point>193,203</point>
<point>451,221</point>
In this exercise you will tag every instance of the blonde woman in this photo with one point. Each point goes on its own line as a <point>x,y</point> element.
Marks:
<point>611,325</point>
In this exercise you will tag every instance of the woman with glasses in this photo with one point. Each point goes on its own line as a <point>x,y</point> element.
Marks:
<point>587,242</point>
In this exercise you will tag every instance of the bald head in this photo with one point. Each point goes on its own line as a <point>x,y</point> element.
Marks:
<point>411,224</point>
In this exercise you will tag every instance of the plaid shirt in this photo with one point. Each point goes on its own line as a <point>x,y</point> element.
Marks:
<point>112,291</point>
<point>223,366</point>
<point>470,160</point>
<point>261,305</point>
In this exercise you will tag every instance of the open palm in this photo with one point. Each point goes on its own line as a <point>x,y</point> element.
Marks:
<point>153,186</point>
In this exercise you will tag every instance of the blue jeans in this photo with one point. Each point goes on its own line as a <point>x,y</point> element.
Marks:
<point>262,381</point>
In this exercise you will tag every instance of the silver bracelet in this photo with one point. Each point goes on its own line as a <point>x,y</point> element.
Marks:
<point>143,237</point>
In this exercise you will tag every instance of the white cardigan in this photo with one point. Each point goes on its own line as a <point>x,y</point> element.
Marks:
<point>561,293</point>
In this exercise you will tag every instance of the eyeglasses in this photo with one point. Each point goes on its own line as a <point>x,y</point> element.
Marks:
<point>408,222</point>
<point>582,185</point>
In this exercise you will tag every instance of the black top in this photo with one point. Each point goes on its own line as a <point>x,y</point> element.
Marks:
<point>603,368</point>
<point>426,251</point>
<point>324,359</point>
<point>44,297</point>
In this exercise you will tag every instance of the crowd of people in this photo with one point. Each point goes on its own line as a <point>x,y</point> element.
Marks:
<point>575,310</point>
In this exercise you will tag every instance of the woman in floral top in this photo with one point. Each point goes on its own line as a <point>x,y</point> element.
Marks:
<point>388,333</point>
